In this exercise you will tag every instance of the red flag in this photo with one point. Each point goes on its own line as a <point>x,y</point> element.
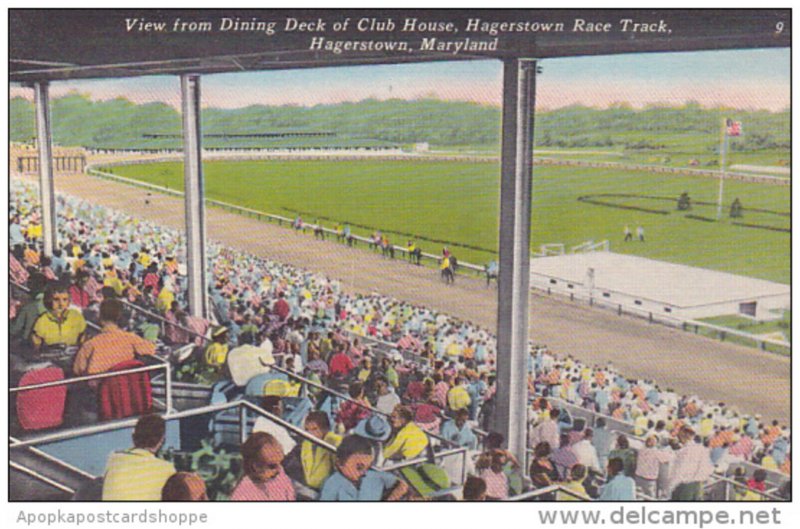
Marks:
<point>733,128</point>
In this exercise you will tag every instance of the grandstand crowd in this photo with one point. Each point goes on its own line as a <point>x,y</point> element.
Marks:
<point>432,387</point>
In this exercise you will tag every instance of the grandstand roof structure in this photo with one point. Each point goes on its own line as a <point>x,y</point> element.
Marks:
<point>96,43</point>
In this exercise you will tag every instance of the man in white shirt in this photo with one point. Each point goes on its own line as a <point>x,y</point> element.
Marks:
<point>387,398</point>
<point>274,406</point>
<point>586,452</point>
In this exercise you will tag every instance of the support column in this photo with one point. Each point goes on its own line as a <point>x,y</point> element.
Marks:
<point>44,143</point>
<point>194,196</point>
<point>511,411</point>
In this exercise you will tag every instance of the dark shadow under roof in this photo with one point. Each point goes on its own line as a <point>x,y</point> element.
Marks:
<point>81,44</point>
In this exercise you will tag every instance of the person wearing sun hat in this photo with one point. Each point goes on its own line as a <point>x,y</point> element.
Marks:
<point>375,428</point>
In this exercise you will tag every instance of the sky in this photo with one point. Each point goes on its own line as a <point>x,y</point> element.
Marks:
<point>744,79</point>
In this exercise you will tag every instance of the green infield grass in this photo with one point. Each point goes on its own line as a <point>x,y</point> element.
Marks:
<point>458,202</point>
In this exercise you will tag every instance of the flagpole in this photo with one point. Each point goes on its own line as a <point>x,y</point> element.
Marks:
<point>723,147</point>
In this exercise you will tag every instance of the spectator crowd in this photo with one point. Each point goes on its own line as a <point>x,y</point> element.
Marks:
<point>386,381</point>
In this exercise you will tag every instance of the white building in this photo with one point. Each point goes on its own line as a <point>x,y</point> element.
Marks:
<point>659,287</point>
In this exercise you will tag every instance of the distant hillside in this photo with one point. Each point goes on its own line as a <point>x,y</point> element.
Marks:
<point>119,123</point>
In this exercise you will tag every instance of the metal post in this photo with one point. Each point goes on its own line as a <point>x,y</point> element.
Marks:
<point>44,141</point>
<point>168,388</point>
<point>514,274</point>
<point>723,147</point>
<point>242,424</point>
<point>194,196</point>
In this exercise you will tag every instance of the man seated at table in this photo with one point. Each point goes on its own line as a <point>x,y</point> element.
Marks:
<point>112,346</point>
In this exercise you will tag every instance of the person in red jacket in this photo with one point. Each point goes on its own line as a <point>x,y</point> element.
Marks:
<point>281,308</point>
<point>340,364</point>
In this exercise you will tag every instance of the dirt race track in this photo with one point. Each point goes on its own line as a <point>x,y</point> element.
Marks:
<point>753,381</point>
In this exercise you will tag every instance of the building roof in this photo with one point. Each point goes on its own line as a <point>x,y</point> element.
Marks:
<point>81,43</point>
<point>656,281</point>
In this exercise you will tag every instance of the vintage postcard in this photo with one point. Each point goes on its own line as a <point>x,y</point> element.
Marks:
<point>421,255</point>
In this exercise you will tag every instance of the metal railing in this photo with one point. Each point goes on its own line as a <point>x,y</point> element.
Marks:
<point>613,424</point>
<point>161,364</point>
<point>548,490</point>
<point>39,477</point>
<point>342,396</point>
<point>730,487</point>
<point>244,408</point>
<point>164,322</point>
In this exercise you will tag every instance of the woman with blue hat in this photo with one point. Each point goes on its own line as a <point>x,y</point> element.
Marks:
<point>374,428</point>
